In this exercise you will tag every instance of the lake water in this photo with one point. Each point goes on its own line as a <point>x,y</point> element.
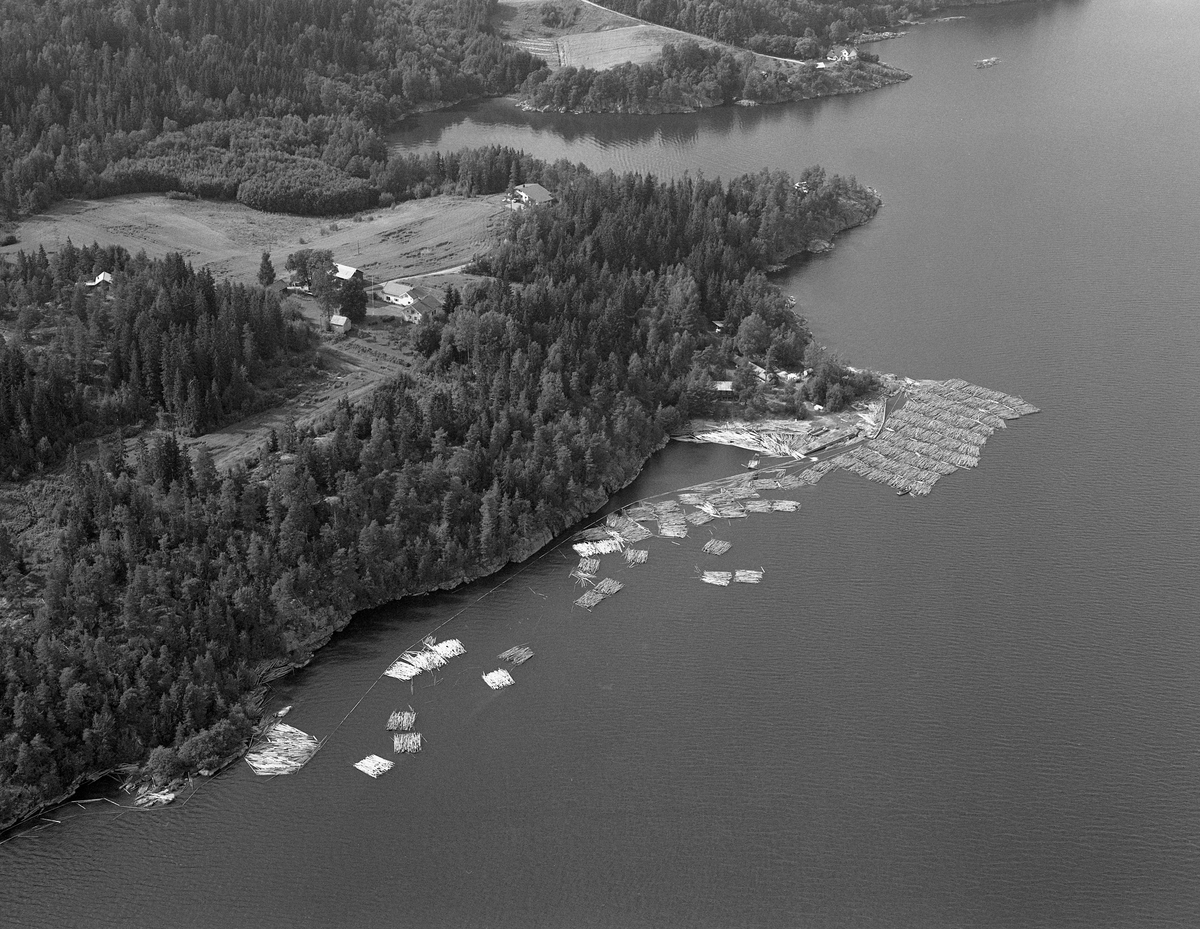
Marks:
<point>976,709</point>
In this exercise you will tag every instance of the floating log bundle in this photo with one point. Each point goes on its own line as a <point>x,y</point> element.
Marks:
<point>628,529</point>
<point>719,578</point>
<point>406,742</point>
<point>699,517</point>
<point>585,571</point>
<point>401,670</point>
<point>636,556</point>
<point>671,521</point>
<point>374,765</point>
<point>604,547</point>
<point>716,547</point>
<point>285,750</point>
<point>434,655</point>
<point>608,587</point>
<point>498,678</point>
<point>590,599</point>
<point>402,720</point>
<point>748,576</point>
<point>450,648</point>
<point>785,506</point>
<point>518,654</point>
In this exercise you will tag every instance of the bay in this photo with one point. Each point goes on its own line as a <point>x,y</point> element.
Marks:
<point>974,709</point>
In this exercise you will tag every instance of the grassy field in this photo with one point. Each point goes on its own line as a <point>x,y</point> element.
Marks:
<point>587,37</point>
<point>410,238</point>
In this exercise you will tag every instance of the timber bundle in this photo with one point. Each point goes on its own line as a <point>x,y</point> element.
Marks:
<point>601,541</point>
<point>498,678</point>
<point>374,765</point>
<point>941,428</point>
<point>434,655</point>
<point>285,750</point>
<point>748,576</point>
<point>518,654</point>
<point>719,578</point>
<point>671,522</point>
<point>406,742</point>
<point>716,547</point>
<point>606,588</point>
<point>628,529</point>
<point>585,571</point>
<point>636,556</point>
<point>402,720</point>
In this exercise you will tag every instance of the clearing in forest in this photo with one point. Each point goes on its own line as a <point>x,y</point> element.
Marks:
<point>410,238</point>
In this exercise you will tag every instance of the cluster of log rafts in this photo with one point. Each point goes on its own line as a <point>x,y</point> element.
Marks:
<point>429,657</point>
<point>941,428</point>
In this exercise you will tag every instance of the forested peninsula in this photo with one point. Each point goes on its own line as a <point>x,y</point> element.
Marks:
<point>690,77</point>
<point>173,591</point>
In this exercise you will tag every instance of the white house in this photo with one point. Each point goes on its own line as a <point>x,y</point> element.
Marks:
<point>340,324</point>
<point>843,53</point>
<point>397,292</point>
<point>102,278</point>
<point>529,195</point>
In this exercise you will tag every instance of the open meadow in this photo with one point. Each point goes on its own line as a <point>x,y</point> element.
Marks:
<point>414,237</point>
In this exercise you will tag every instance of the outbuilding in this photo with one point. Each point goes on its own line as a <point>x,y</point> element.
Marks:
<point>340,324</point>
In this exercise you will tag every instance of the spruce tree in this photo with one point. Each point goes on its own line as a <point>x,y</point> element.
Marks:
<point>266,270</point>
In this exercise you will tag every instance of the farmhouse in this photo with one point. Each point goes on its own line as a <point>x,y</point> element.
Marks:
<point>406,302</point>
<point>529,195</point>
<point>340,324</point>
<point>397,292</point>
<point>346,273</point>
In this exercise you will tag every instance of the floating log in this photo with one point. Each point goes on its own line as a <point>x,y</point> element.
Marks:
<point>498,678</point>
<point>699,518</point>
<point>720,578</point>
<point>785,506</point>
<point>518,654</point>
<point>284,750</point>
<point>406,742</point>
<point>748,576</point>
<point>402,720</point>
<point>374,765</point>
<point>716,547</point>
<point>636,556</point>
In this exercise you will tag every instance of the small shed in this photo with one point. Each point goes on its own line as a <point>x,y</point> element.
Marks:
<point>102,278</point>
<point>340,324</point>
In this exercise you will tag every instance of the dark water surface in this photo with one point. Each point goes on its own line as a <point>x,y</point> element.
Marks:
<point>975,709</point>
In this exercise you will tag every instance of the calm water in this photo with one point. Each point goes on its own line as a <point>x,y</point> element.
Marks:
<point>976,709</point>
